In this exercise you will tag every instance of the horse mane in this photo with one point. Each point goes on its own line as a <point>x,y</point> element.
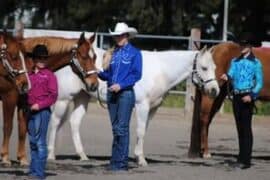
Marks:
<point>55,45</point>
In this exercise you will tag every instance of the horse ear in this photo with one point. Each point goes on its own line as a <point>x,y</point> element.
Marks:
<point>92,38</point>
<point>2,41</point>
<point>204,49</point>
<point>211,50</point>
<point>82,39</point>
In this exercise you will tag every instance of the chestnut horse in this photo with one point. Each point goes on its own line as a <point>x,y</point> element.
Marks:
<point>62,52</point>
<point>13,81</point>
<point>205,108</point>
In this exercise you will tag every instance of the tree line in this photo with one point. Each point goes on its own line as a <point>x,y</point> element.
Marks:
<point>248,20</point>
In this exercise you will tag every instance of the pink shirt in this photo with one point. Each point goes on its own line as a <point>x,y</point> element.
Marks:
<point>44,88</point>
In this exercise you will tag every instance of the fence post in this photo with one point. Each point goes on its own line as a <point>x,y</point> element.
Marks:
<point>18,29</point>
<point>195,35</point>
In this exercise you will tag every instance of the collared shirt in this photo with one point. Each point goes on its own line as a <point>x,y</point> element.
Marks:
<point>44,88</point>
<point>246,75</point>
<point>125,67</point>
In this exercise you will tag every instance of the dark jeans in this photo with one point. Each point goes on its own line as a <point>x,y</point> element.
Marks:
<point>37,129</point>
<point>120,107</point>
<point>243,118</point>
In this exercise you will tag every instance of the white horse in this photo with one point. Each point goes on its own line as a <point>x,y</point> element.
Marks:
<point>161,71</point>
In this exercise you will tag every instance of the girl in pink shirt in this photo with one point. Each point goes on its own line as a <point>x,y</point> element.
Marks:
<point>41,96</point>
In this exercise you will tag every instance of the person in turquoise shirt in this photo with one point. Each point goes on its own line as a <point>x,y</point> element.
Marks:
<point>246,75</point>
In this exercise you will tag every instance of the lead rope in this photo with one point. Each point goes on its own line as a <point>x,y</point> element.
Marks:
<point>25,70</point>
<point>99,100</point>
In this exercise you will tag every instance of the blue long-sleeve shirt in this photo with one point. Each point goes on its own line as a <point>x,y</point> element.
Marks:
<point>246,75</point>
<point>125,67</point>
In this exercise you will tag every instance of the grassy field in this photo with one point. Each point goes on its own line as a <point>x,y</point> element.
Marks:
<point>178,101</point>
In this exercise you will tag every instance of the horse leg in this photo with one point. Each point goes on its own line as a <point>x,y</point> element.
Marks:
<point>9,104</point>
<point>80,107</point>
<point>204,132</point>
<point>209,109</point>
<point>56,121</point>
<point>22,125</point>
<point>142,112</point>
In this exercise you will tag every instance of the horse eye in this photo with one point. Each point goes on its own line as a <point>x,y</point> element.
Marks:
<point>204,68</point>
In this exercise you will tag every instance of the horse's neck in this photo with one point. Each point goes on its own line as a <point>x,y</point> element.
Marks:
<point>177,66</point>
<point>58,61</point>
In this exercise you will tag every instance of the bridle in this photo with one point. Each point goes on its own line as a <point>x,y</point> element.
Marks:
<point>75,62</point>
<point>13,72</point>
<point>196,78</point>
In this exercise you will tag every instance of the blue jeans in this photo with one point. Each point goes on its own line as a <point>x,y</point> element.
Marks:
<point>37,129</point>
<point>120,107</point>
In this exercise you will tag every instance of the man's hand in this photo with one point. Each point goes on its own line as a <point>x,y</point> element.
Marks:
<point>34,107</point>
<point>246,99</point>
<point>115,88</point>
<point>224,77</point>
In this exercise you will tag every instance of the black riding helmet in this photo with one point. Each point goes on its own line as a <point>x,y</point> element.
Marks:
<point>40,51</point>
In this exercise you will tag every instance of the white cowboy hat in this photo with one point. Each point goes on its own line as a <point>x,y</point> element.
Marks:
<point>121,28</point>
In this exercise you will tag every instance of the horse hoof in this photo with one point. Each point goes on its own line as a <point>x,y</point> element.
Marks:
<point>6,162</point>
<point>83,157</point>
<point>207,156</point>
<point>51,158</point>
<point>24,162</point>
<point>142,162</point>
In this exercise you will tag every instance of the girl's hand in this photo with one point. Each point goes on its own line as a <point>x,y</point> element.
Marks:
<point>246,99</point>
<point>35,107</point>
<point>224,77</point>
<point>115,88</point>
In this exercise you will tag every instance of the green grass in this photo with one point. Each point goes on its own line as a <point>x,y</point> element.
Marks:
<point>173,100</point>
<point>262,107</point>
<point>178,101</point>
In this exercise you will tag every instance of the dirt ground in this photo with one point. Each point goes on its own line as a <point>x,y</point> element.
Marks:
<point>166,147</point>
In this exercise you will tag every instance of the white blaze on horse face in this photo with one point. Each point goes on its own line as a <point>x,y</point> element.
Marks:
<point>206,69</point>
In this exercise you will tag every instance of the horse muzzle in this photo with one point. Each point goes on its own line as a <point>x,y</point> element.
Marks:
<point>212,89</point>
<point>92,87</point>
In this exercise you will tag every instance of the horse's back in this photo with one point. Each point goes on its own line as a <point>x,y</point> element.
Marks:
<point>263,54</point>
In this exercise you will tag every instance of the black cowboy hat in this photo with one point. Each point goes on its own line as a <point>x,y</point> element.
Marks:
<point>40,51</point>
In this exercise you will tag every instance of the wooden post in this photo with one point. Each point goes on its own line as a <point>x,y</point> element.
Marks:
<point>195,35</point>
<point>192,106</point>
<point>18,29</point>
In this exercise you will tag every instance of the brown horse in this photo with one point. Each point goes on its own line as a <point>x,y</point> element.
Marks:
<point>62,52</point>
<point>205,107</point>
<point>13,80</point>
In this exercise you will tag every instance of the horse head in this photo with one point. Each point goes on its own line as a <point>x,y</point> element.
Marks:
<point>83,61</point>
<point>13,63</point>
<point>203,74</point>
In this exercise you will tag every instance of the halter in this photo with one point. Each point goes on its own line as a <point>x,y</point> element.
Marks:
<point>74,60</point>
<point>11,71</point>
<point>197,80</point>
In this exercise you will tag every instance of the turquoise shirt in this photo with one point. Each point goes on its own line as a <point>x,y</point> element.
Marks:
<point>246,75</point>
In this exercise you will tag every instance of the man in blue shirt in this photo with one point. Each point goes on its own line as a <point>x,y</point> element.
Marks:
<point>246,75</point>
<point>123,71</point>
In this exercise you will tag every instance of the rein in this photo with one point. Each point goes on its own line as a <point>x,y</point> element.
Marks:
<point>74,61</point>
<point>196,78</point>
<point>12,71</point>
